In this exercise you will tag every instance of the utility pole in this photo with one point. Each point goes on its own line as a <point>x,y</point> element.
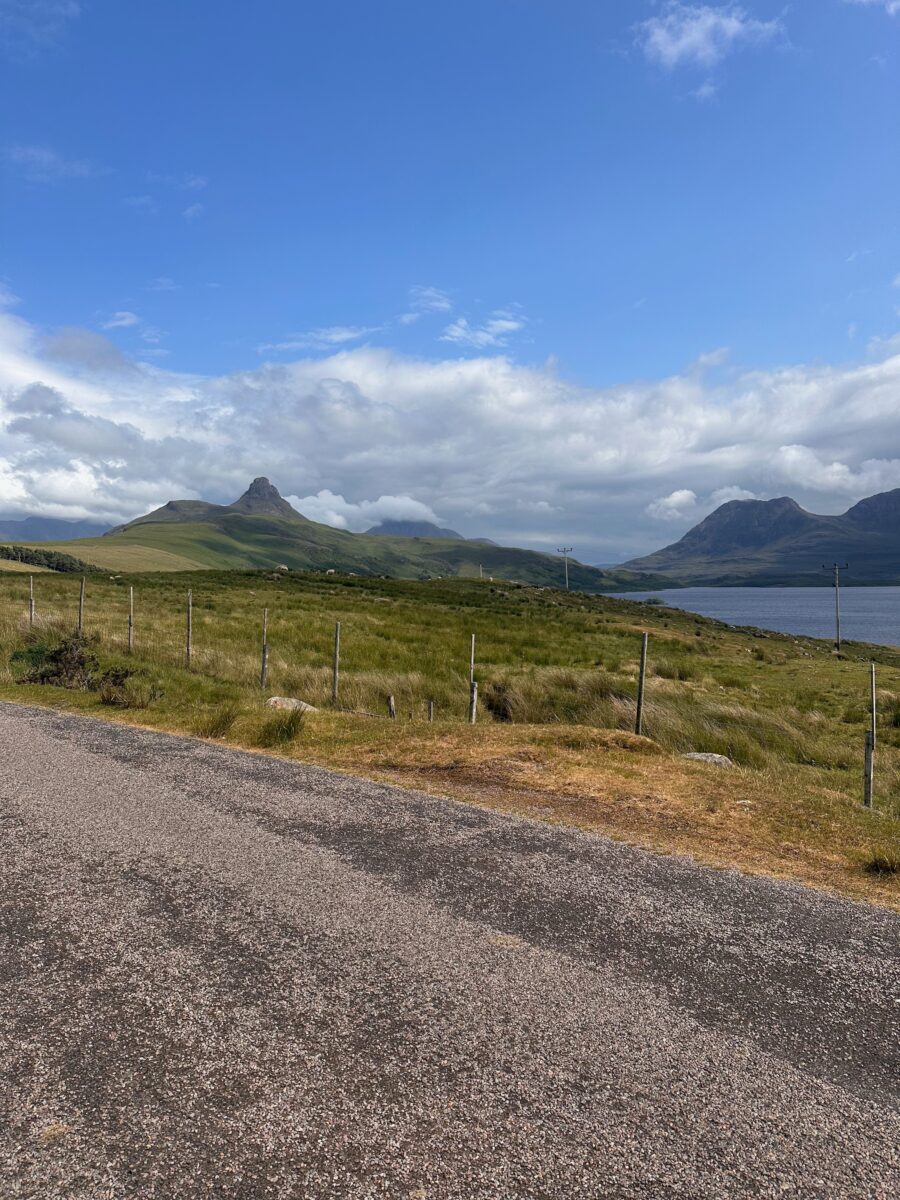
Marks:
<point>836,568</point>
<point>565,551</point>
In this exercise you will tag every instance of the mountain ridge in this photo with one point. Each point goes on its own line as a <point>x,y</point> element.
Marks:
<point>261,530</point>
<point>777,541</point>
<point>38,529</point>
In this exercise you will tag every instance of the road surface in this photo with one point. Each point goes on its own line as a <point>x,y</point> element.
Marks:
<point>225,976</point>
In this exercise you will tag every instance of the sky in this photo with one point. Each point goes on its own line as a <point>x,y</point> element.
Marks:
<point>556,272</point>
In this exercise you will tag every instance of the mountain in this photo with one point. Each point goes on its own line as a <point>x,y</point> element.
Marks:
<point>260,499</point>
<point>46,529</point>
<point>413,529</point>
<point>261,530</point>
<point>778,542</point>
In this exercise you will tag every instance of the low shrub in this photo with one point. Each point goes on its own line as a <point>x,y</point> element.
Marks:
<point>69,664</point>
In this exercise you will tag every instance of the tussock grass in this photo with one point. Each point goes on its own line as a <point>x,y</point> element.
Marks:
<point>882,861</point>
<point>281,729</point>
<point>218,720</point>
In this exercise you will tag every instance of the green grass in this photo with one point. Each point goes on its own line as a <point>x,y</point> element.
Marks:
<point>555,672</point>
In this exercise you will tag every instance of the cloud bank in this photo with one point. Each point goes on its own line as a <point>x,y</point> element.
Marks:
<point>484,444</point>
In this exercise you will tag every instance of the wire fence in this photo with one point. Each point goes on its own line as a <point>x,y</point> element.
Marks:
<point>288,649</point>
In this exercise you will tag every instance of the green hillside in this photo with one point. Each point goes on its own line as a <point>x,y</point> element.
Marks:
<point>261,530</point>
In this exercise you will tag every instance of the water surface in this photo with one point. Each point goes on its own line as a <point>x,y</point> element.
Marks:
<point>868,614</point>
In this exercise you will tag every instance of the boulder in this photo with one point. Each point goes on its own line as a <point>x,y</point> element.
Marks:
<point>287,703</point>
<point>714,760</point>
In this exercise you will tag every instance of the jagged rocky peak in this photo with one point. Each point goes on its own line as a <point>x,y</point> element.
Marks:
<point>263,497</point>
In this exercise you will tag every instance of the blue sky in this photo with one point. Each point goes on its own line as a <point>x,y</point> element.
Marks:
<point>639,210</point>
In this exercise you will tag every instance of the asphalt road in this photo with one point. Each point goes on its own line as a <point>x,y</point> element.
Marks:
<point>226,976</point>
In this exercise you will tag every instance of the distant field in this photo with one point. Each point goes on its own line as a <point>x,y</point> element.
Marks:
<point>123,555</point>
<point>557,678</point>
<point>17,568</point>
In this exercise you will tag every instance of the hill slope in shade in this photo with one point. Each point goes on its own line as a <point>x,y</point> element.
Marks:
<point>413,529</point>
<point>778,542</point>
<point>261,530</point>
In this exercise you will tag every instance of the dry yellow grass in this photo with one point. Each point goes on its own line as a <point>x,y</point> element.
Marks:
<point>20,568</point>
<point>780,823</point>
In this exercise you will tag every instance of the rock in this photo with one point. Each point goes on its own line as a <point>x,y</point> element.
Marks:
<point>287,703</point>
<point>714,760</point>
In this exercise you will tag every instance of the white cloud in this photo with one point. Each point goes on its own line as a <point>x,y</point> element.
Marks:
<point>121,320</point>
<point>188,183</point>
<point>192,212</point>
<point>494,332</point>
<point>35,23</point>
<point>423,300</point>
<point>8,298</point>
<point>330,509</point>
<point>700,35</point>
<point>42,164</point>
<point>723,495</point>
<point>892,7</point>
<point>515,453</point>
<point>161,284</point>
<point>706,91</point>
<point>429,299</point>
<point>142,204</point>
<point>676,506</point>
<point>327,338</point>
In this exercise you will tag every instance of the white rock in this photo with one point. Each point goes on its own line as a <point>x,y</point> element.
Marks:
<point>286,703</point>
<point>714,760</point>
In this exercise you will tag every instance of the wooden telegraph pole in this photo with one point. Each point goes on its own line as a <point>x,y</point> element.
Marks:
<point>565,551</point>
<point>836,569</point>
<point>336,663</point>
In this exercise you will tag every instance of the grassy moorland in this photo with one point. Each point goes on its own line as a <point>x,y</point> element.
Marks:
<point>557,684</point>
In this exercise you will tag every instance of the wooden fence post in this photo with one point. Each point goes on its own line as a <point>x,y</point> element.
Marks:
<point>81,608</point>
<point>336,663</point>
<point>264,668</point>
<point>131,620</point>
<point>473,702</point>
<point>189,633</point>
<point>31,602</point>
<point>639,715</point>
<point>392,708</point>
<point>430,710</point>
<point>874,710</point>
<point>472,661</point>
<point>869,776</point>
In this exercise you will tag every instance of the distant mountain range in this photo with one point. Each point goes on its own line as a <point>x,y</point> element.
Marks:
<point>764,542</point>
<point>262,530</point>
<point>414,529</point>
<point>421,529</point>
<point>46,529</point>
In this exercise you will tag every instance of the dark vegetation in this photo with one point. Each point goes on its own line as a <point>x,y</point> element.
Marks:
<point>53,560</point>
